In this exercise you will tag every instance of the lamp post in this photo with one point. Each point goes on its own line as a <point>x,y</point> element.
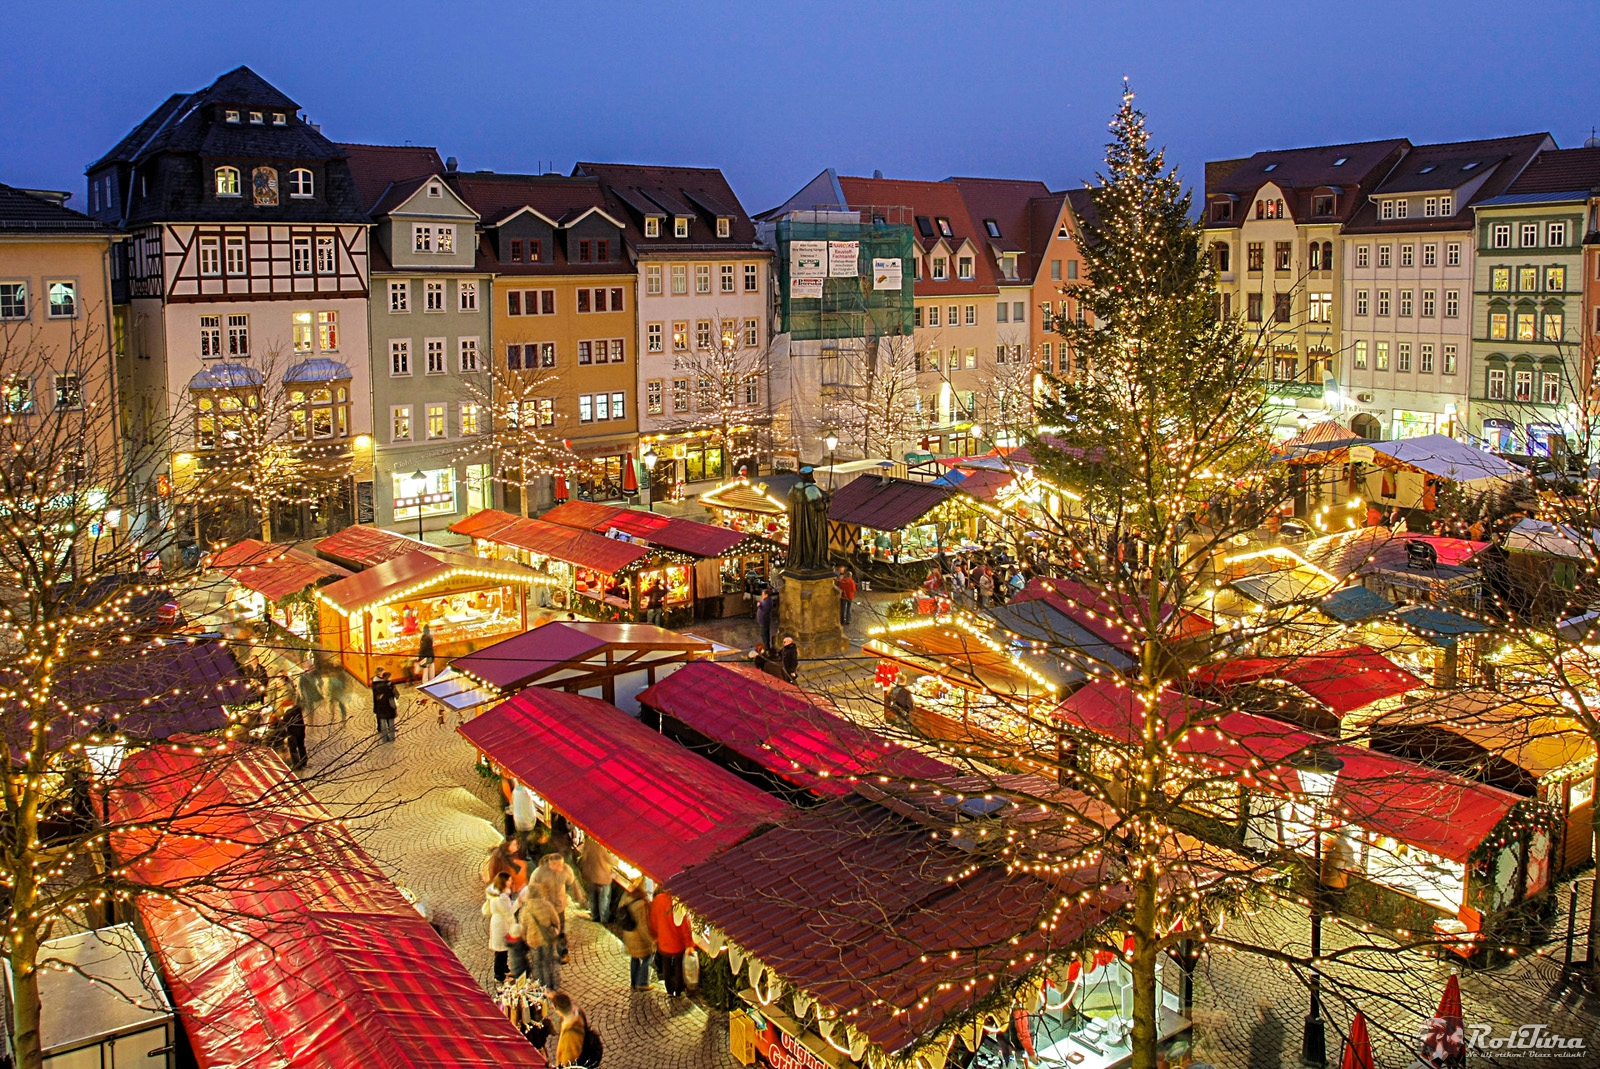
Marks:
<point>1318,772</point>
<point>832,443</point>
<point>417,482</point>
<point>650,460</point>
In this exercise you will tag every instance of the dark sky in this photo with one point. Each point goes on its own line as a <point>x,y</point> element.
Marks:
<point>772,93</point>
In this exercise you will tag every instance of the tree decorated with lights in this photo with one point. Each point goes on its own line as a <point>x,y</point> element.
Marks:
<point>877,409</point>
<point>728,401</point>
<point>519,429</point>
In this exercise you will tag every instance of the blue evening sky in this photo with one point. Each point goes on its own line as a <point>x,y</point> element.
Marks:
<point>772,93</point>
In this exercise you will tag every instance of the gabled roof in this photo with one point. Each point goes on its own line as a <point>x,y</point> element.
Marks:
<point>377,167</point>
<point>932,200</point>
<point>700,193</point>
<point>1044,217</point>
<point>1009,202</point>
<point>885,504</point>
<point>1353,168</point>
<point>26,212</point>
<point>1495,161</point>
<point>497,197</point>
<point>1560,171</point>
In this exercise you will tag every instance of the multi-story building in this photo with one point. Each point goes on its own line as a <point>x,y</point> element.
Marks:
<point>247,278</point>
<point>703,287</point>
<point>956,304</point>
<point>562,319</point>
<point>431,339</point>
<point>57,330</point>
<point>1407,279</point>
<point>1528,370</point>
<point>1273,224</point>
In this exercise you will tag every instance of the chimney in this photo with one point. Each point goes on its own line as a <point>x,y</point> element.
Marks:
<point>883,472</point>
<point>877,173</point>
<point>450,165</point>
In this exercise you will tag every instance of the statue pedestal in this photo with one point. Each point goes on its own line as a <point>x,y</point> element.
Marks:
<point>808,609</point>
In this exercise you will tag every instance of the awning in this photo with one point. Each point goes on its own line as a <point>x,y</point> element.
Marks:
<point>1442,813</point>
<point>1447,458</point>
<point>1436,626</point>
<point>762,497</point>
<point>418,572</point>
<point>1344,680</point>
<point>1090,609</point>
<point>801,738</point>
<point>1355,604</point>
<point>483,523</point>
<point>886,504</point>
<point>703,540</point>
<point>649,800</point>
<point>577,654</point>
<point>1535,734</point>
<point>1556,540</point>
<point>363,547</point>
<point>273,571</point>
<point>1292,586</point>
<point>584,515</point>
<point>317,961</point>
<point>582,548</point>
<point>1040,621</point>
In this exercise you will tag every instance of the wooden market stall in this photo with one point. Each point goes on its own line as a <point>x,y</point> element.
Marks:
<point>754,506</point>
<point>891,529</point>
<point>375,617</point>
<point>273,582</point>
<point>1321,691</point>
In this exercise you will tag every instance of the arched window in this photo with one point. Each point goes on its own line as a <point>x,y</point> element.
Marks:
<point>300,183</point>
<point>1280,214</point>
<point>1223,259</point>
<point>1315,252</point>
<point>1327,256</point>
<point>227,181</point>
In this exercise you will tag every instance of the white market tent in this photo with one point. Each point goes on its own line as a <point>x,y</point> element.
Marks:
<point>1552,539</point>
<point>1435,454</point>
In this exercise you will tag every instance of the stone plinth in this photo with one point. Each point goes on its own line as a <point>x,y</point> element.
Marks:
<point>808,609</point>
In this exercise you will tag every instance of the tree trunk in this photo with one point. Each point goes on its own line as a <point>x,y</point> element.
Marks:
<point>1594,887</point>
<point>1145,951</point>
<point>25,995</point>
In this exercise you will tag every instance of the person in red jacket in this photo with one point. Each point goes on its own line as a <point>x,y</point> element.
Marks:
<point>672,942</point>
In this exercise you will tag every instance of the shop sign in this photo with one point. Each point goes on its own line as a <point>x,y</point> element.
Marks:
<point>1362,454</point>
<point>783,1051</point>
<point>425,499</point>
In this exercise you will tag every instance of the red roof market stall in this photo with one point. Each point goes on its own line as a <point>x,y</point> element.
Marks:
<point>269,581</point>
<point>610,660</point>
<point>1425,833</point>
<point>363,547</point>
<point>316,962</point>
<point>763,726</point>
<point>654,804</point>
<point>1341,681</point>
<point>375,617</point>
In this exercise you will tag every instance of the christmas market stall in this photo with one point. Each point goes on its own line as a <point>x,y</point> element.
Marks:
<point>319,963</point>
<point>1319,691</point>
<point>892,528</point>
<point>100,1002</point>
<point>597,576</point>
<point>785,740</point>
<point>273,583</point>
<point>658,807</point>
<point>375,617</point>
<point>613,661</point>
<point>1529,746</point>
<point>1416,844</point>
<point>753,506</point>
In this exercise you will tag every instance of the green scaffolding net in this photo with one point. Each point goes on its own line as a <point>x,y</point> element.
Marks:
<point>862,306</point>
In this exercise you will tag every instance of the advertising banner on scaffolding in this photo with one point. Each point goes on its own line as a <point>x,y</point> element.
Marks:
<point>806,287</point>
<point>842,259</point>
<point>887,273</point>
<point>808,259</point>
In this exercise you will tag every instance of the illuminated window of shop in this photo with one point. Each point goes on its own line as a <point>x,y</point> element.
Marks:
<point>304,333</point>
<point>438,497</point>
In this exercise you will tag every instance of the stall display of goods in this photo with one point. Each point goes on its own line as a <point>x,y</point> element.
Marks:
<point>466,617</point>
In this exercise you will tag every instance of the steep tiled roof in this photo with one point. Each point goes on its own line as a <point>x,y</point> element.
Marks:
<point>1560,171</point>
<point>1449,165</point>
<point>376,167</point>
<point>1009,202</point>
<point>931,200</point>
<point>28,212</point>
<point>1352,168</point>
<point>885,504</point>
<point>1043,214</point>
<point>634,190</point>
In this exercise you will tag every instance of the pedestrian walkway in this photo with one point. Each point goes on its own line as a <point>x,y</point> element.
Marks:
<point>445,818</point>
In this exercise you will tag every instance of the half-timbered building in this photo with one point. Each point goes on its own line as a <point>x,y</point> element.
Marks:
<point>247,264</point>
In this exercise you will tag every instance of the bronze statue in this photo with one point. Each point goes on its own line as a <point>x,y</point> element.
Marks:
<point>808,525</point>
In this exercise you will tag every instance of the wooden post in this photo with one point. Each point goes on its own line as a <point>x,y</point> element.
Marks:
<point>366,631</point>
<point>522,603</point>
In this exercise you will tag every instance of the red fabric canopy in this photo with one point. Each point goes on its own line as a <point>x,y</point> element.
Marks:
<point>585,515</point>
<point>1425,807</point>
<point>649,800</point>
<point>1343,680</point>
<point>363,547</point>
<point>285,946</point>
<point>799,737</point>
<point>484,523</point>
<point>270,570</point>
<point>669,532</point>
<point>587,550</point>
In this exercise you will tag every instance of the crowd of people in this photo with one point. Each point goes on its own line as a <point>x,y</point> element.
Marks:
<point>976,579</point>
<point>527,902</point>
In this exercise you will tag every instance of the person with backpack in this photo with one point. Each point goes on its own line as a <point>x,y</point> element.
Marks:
<point>633,917</point>
<point>673,940</point>
<point>577,1043</point>
<point>384,710</point>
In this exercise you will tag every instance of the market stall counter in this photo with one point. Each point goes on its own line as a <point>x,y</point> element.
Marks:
<point>753,506</point>
<point>273,582</point>
<point>376,616</point>
<point>891,528</point>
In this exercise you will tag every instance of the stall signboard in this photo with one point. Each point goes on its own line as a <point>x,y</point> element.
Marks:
<point>843,256</point>
<point>777,1049</point>
<point>808,259</point>
<point>887,274</point>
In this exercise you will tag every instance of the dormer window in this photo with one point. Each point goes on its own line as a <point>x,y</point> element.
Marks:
<point>1322,204</point>
<point>939,272</point>
<point>280,119</point>
<point>944,226</point>
<point>724,226</point>
<point>1341,161</point>
<point>964,267</point>
<point>256,118</point>
<point>652,227</point>
<point>680,226</point>
<point>1221,212</point>
<point>227,181</point>
<point>231,115</point>
<point>1269,167</point>
<point>434,190</point>
<point>1062,232</point>
<point>1447,205</point>
<point>1008,265</point>
<point>992,227</point>
<point>300,183</point>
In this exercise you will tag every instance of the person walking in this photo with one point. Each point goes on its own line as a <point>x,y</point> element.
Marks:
<point>383,704</point>
<point>500,906</point>
<point>596,863</point>
<point>574,1029</point>
<point>898,702</point>
<point>633,917</point>
<point>790,655</point>
<point>985,587</point>
<point>764,609</point>
<point>673,940</point>
<point>655,601</point>
<point>507,858</point>
<point>847,595</point>
<point>294,734</point>
<point>540,930</point>
<point>425,654</point>
<point>554,880</point>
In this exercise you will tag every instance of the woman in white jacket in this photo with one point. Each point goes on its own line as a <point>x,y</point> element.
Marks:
<point>500,906</point>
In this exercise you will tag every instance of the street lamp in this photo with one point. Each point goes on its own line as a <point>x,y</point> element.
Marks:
<point>650,458</point>
<point>1318,772</point>
<point>832,442</point>
<point>417,482</point>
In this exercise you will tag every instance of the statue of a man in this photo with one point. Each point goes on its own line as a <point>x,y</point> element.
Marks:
<point>808,525</point>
